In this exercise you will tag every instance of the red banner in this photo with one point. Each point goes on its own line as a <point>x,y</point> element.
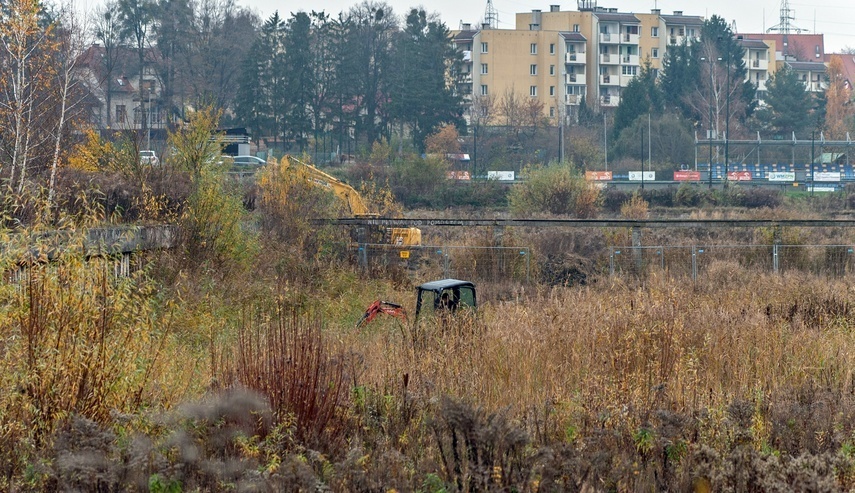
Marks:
<point>687,176</point>
<point>598,175</point>
<point>739,176</point>
<point>458,175</point>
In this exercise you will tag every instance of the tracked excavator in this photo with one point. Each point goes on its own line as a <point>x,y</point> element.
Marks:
<point>402,237</point>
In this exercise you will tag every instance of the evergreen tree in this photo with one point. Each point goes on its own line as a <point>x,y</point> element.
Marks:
<point>367,59</point>
<point>641,96</point>
<point>173,32</point>
<point>299,80</point>
<point>680,74</point>
<point>731,56</point>
<point>136,18</point>
<point>261,88</point>
<point>788,104</point>
<point>422,95</point>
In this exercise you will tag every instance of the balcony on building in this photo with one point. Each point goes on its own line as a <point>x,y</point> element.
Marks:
<point>572,99</point>
<point>467,55</point>
<point>609,59</point>
<point>609,80</point>
<point>574,58</point>
<point>609,38</point>
<point>757,64</point>
<point>610,100</point>
<point>629,60</point>
<point>629,39</point>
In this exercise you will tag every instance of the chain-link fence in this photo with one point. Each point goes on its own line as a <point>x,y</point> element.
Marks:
<point>695,261</point>
<point>472,263</point>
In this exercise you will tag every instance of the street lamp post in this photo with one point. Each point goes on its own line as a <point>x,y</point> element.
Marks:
<point>709,122</point>
<point>727,120</point>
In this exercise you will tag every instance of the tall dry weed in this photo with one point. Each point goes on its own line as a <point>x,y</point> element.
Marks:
<point>286,358</point>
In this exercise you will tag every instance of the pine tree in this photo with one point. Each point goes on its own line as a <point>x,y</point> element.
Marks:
<point>788,103</point>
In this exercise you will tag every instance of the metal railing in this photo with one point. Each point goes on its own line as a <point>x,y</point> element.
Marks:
<point>695,261</point>
<point>473,263</point>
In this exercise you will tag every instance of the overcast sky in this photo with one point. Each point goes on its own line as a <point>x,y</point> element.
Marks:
<point>834,18</point>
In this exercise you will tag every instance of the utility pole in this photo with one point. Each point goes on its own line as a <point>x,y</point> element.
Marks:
<point>709,122</point>
<point>727,121</point>
<point>642,158</point>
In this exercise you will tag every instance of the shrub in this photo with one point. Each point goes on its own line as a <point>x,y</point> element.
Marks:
<point>757,197</point>
<point>635,208</point>
<point>556,189</point>
<point>687,196</point>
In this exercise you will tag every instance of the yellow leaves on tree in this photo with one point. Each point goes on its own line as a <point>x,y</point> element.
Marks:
<point>839,108</point>
<point>444,141</point>
<point>93,154</point>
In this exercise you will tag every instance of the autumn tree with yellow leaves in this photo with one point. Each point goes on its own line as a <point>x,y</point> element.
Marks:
<point>840,112</point>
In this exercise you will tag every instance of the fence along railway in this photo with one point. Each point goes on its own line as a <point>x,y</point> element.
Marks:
<point>121,243</point>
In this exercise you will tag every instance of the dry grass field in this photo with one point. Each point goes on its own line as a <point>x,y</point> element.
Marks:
<point>259,382</point>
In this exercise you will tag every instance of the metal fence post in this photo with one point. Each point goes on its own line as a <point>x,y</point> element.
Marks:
<point>694,264</point>
<point>775,258</point>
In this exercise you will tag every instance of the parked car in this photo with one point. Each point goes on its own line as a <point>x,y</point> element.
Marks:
<point>247,161</point>
<point>149,157</point>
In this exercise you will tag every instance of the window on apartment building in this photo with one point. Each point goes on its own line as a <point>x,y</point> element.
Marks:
<point>629,70</point>
<point>483,47</point>
<point>484,90</point>
<point>552,112</point>
<point>532,91</point>
<point>551,48</point>
<point>575,28</point>
<point>552,90</point>
<point>654,32</point>
<point>532,69</point>
<point>692,33</point>
<point>534,48</point>
<point>552,70</point>
<point>121,113</point>
<point>484,69</point>
<point>654,53</point>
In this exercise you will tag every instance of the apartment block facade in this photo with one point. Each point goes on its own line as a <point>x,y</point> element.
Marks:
<point>559,57</point>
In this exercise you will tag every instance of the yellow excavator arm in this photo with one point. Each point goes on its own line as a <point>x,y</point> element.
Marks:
<point>401,237</point>
<point>342,190</point>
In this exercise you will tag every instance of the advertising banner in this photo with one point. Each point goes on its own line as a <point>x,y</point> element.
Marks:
<point>781,176</point>
<point>826,176</point>
<point>598,175</point>
<point>637,175</point>
<point>500,175</point>
<point>687,176</point>
<point>739,176</point>
<point>459,175</point>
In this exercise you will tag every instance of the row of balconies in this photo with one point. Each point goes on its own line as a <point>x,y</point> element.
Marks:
<point>615,59</point>
<point>607,38</point>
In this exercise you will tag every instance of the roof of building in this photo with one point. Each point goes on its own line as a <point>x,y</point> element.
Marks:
<point>617,17</point>
<point>753,44</point>
<point>688,20</point>
<point>804,47</point>
<point>572,36</point>
<point>465,35</point>
<point>810,66</point>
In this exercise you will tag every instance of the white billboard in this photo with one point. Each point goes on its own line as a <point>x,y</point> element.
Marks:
<point>826,176</point>
<point>500,175</point>
<point>639,175</point>
<point>781,176</point>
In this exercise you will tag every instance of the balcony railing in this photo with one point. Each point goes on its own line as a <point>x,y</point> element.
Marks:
<point>571,78</point>
<point>572,99</point>
<point>631,39</point>
<point>574,57</point>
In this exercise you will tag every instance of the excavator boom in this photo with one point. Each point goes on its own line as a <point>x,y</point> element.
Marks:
<point>348,194</point>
